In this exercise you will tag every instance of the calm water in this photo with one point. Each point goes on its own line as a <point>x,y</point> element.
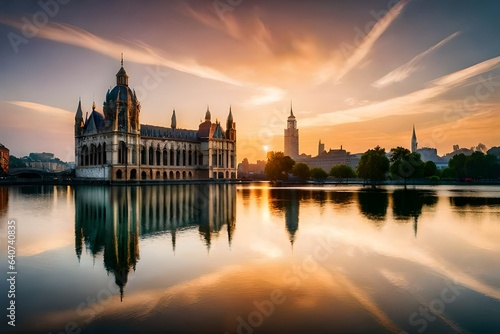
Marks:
<point>253,259</point>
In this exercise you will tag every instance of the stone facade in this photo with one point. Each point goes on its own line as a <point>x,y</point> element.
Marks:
<point>116,147</point>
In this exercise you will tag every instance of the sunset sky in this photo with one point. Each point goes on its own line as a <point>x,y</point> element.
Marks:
<point>359,73</point>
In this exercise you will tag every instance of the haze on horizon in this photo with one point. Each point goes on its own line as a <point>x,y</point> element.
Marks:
<point>359,73</point>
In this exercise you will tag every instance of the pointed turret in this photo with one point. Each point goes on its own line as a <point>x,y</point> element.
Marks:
<point>173,123</point>
<point>229,122</point>
<point>208,116</point>
<point>121,76</point>
<point>79,119</point>
<point>79,113</point>
<point>291,111</point>
<point>414,142</point>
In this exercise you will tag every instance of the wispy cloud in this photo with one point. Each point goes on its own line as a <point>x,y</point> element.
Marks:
<point>142,53</point>
<point>406,104</point>
<point>367,44</point>
<point>42,108</point>
<point>403,71</point>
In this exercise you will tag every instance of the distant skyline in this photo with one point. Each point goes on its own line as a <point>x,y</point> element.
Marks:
<point>359,73</point>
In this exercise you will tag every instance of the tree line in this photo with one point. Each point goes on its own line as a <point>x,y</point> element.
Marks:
<point>400,164</point>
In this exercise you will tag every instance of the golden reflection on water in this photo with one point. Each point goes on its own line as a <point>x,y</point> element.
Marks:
<point>341,258</point>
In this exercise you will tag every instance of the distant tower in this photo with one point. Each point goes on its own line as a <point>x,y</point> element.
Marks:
<point>321,147</point>
<point>292,137</point>
<point>173,123</point>
<point>414,142</point>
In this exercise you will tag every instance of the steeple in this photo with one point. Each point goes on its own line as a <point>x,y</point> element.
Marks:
<point>414,142</point>
<point>229,122</point>
<point>291,111</point>
<point>79,113</point>
<point>121,76</point>
<point>208,116</point>
<point>173,124</point>
<point>79,119</point>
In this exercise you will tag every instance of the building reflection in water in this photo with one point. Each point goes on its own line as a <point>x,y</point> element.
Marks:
<point>408,203</point>
<point>110,220</point>
<point>287,201</point>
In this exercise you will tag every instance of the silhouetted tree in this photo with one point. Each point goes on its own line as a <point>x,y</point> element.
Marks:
<point>342,172</point>
<point>373,165</point>
<point>278,166</point>
<point>301,170</point>
<point>318,174</point>
<point>406,164</point>
<point>430,169</point>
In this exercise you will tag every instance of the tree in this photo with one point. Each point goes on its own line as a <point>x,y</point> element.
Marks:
<point>278,166</point>
<point>430,169</point>
<point>373,165</point>
<point>15,162</point>
<point>342,172</point>
<point>301,170</point>
<point>457,166</point>
<point>406,164</point>
<point>318,174</point>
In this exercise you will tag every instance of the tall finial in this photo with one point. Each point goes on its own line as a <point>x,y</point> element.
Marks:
<point>122,60</point>
<point>291,108</point>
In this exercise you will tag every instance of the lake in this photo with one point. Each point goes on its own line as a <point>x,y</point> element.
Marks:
<point>221,258</point>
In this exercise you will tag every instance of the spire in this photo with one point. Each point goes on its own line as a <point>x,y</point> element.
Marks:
<point>414,142</point>
<point>173,123</point>
<point>291,111</point>
<point>121,76</point>
<point>79,113</point>
<point>93,106</point>
<point>229,122</point>
<point>208,116</point>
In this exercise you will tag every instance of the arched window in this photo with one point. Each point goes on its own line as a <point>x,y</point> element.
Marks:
<point>171,157</point>
<point>99,154</point>
<point>190,157</point>
<point>104,159</point>
<point>122,153</point>
<point>143,156</point>
<point>151,156</point>
<point>119,174</point>
<point>133,174</point>
<point>165,156</point>
<point>178,175</point>
<point>164,175</point>
<point>144,176</point>
<point>171,175</point>
<point>157,175</point>
<point>158,156</point>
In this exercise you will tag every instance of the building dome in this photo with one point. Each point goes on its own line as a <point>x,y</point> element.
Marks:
<point>121,93</point>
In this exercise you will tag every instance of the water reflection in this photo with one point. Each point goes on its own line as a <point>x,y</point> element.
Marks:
<point>110,220</point>
<point>462,201</point>
<point>408,204</point>
<point>287,201</point>
<point>373,204</point>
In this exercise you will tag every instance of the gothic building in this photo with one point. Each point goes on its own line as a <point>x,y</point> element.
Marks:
<point>115,146</point>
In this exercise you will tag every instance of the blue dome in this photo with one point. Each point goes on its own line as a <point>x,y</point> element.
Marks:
<point>126,94</point>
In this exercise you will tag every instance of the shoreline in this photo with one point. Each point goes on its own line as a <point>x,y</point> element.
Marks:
<point>283,184</point>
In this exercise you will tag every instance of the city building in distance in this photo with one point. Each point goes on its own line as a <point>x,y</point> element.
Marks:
<point>4,158</point>
<point>115,146</point>
<point>325,159</point>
